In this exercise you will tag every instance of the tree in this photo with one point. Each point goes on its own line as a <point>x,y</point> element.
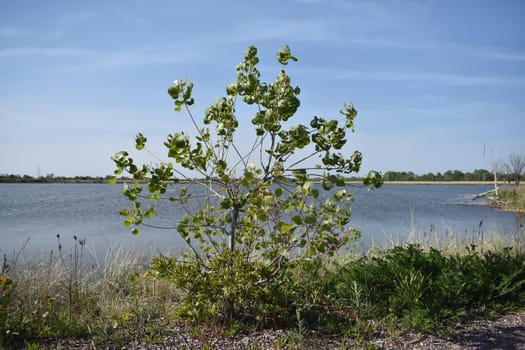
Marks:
<point>399,176</point>
<point>479,175</point>
<point>453,175</point>
<point>263,206</point>
<point>495,167</point>
<point>515,166</point>
<point>428,177</point>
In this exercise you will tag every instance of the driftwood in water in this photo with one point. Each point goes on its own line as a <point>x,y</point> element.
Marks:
<point>482,195</point>
<point>493,200</point>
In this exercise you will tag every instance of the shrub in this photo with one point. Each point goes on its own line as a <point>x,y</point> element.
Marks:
<point>425,288</point>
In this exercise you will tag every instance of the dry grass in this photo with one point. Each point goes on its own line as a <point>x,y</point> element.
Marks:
<point>71,294</point>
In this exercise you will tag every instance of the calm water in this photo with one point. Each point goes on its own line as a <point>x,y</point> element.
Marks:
<point>394,212</point>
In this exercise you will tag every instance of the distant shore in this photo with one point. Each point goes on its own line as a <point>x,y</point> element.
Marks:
<point>350,182</point>
<point>104,180</point>
<point>415,182</point>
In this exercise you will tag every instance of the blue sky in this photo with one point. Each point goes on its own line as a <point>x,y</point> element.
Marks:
<point>438,84</point>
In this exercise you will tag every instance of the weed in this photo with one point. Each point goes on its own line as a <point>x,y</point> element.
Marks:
<point>31,346</point>
<point>233,328</point>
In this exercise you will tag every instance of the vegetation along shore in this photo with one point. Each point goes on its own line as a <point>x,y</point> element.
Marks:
<point>479,176</point>
<point>413,296</point>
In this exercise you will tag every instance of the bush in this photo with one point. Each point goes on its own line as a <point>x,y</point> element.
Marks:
<point>229,285</point>
<point>427,288</point>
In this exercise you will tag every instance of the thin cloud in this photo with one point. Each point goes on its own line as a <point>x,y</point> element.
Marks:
<point>392,43</point>
<point>63,25</point>
<point>43,51</point>
<point>405,76</point>
<point>278,29</point>
<point>8,32</point>
<point>103,58</point>
<point>67,22</point>
<point>505,56</point>
<point>371,6</point>
<point>135,58</point>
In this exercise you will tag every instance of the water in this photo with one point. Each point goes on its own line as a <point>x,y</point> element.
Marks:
<point>396,213</point>
<point>40,212</point>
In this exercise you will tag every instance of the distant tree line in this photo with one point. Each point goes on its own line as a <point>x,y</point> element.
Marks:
<point>509,170</point>
<point>449,175</point>
<point>50,178</point>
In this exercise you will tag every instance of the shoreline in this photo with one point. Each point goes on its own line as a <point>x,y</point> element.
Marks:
<point>348,182</point>
<point>455,183</point>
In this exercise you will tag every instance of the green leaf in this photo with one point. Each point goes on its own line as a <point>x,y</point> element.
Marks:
<point>226,203</point>
<point>285,228</point>
<point>150,213</point>
<point>339,195</point>
<point>297,219</point>
<point>308,186</point>
<point>310,219</point>
<point>128,222</point>
<point>221,166</point>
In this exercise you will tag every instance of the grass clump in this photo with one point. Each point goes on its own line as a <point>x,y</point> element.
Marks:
<point>512,199</point>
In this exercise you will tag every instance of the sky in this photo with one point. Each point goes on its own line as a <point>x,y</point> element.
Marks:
<point>438,84</point>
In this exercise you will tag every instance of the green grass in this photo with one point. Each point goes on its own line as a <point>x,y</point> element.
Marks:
<point>395,290</point>
<point>512,199</point>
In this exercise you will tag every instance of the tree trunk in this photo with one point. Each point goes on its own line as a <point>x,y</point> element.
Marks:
<point>496,183</point>
<point>233,229</point>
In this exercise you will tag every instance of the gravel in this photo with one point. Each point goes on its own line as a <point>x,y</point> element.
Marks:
<point>506,332</point>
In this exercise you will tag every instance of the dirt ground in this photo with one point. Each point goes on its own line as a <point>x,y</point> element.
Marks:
<point>506,332</point>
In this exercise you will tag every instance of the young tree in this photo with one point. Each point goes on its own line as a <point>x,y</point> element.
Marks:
<point>265,204</point>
